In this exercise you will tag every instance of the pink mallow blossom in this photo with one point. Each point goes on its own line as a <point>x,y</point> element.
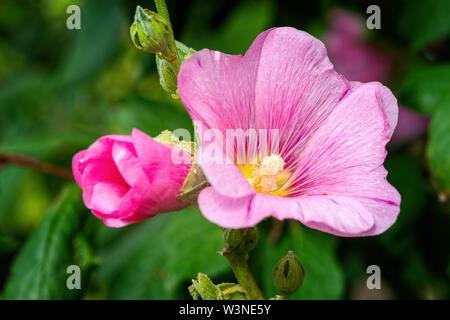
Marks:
<point>358,60</point>
<point>126,179</point>
<point>328,171</point>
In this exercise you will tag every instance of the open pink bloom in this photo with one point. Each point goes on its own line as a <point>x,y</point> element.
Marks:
<point>410,125</point>
<point>356,59</point>
<point>126,179</point>
<point>327,170</point>
<point>350,53</point>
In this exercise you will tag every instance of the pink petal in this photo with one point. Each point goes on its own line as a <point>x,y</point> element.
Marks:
<point>160,196</point>
<point>410,125</point>
<point>347,23</point>
<point>101,149</point>
<point>357,60</point>
<point>100,171</point>
<point>285,81</point>
<point>126,160</point>
<point>228,212</point>
<point>222,173</point>
<point>277,207</point>
<point>342,216</point>
<point>345,157</point>
<point>388,103</point>
<point>115,223</point>
<point>156,159</point>
<point>106,197</point>
<point>76,161</point>
<point>296,86</point>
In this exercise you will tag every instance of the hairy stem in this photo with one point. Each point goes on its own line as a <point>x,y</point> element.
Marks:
<point>241,270</point>
<point>22,160</point>
<point>172,58</point>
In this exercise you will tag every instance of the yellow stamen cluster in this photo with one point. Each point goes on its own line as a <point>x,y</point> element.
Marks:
<point>266,176</point>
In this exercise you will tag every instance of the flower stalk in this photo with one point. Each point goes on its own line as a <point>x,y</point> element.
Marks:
<point>238,242</point>
<point>24,161</point>
<point>172,57</point>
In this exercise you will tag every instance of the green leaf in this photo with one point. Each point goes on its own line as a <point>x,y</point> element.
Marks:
<point>150,116</point>
<point>39,270</point>
<point>439,146</point>
<point>423,22</point>
<point>425,87</point>
<point>101,23</point>
<point>406,175</point>
<point>316,250</point>
<point>238,31</point>
<point>158,258</point>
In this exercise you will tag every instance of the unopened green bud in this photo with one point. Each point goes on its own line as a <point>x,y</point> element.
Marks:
<point>240,239</point>
<point>288,274</point>
<point>167,76</point>
<point>150,32</point>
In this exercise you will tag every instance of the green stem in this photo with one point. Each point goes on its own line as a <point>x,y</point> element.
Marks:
<point>238,262</point>
<point>172,58</point>
<point>161,7</point>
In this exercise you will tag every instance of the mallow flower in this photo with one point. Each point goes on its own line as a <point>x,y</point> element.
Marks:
<point>320,159</point>
<point>126,179</point>
<point>358,60</point>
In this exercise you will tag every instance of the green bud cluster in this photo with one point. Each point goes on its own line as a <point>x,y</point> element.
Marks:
<point>150,32</point>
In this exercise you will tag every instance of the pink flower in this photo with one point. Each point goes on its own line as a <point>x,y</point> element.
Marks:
<point>358,60</point>
<point>350,53</point>
<point>126,179</point>
<point>328,169</point>
<point>410,125</point>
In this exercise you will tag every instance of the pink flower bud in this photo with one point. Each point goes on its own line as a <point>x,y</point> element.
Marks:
<point>126,179</point>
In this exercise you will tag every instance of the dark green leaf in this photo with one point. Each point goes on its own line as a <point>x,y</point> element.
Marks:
<point>150,116</point>
<point>423,22</point>
<point>405,174</point>
<point>237,33</point>
<point>156,257</point>
<point>424,87</point>
<point>439,146</point>
<point>39,271</point>
<point>316,250</point>
<point>101,23</point>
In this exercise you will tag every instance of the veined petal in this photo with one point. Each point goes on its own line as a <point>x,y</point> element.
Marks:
<point>342,216</point>
<point>127,162</point>
<point>221,172</point>
<point>228,212</point>
<point>345,158</point>
<point>285,81</point>
<point>77,171</point>
<point>157,161</point>
<point>387,101</point>
<point>296,87</point>
<point>100,171</point>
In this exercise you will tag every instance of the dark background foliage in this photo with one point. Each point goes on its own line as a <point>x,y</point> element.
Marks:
<point>61,89</point>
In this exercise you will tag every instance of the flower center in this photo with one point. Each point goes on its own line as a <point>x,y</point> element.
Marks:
<point>268,176</point>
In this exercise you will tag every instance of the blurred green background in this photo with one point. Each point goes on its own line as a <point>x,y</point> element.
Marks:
<point>61,89</point>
